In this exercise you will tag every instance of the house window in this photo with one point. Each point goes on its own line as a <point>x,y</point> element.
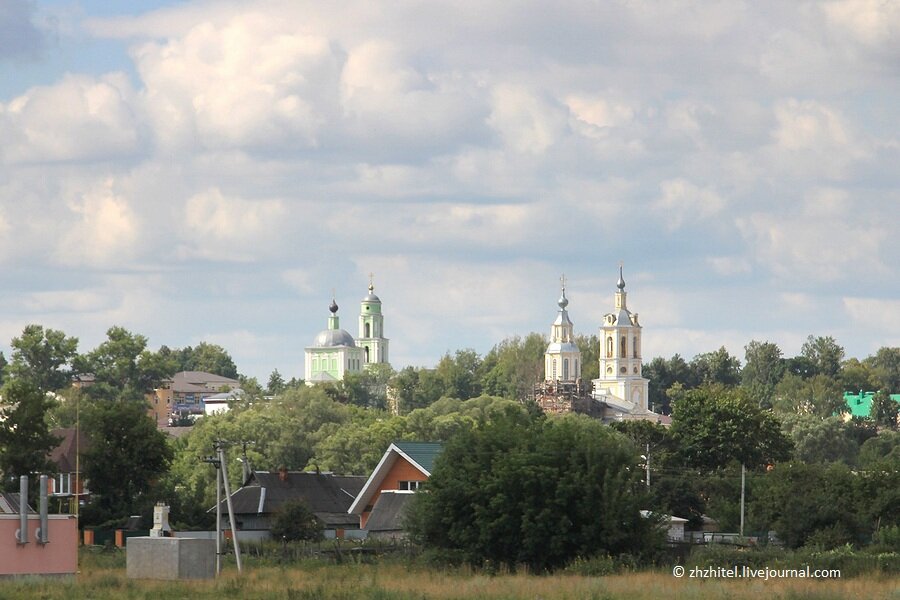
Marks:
<point>64,484</point>
<point>409,486</point>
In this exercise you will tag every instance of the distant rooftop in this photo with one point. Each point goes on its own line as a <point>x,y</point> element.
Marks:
<point>423,453</point>
<point>200,382</point>
<point>860,403</point>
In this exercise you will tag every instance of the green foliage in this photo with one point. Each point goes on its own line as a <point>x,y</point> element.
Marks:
<point>663,375</point>
<point>821,441</point>
<point>513,366</point>
<point>824,354</point>
<point>125,457</point>
<point>276,383</point>
<point>713,425</point>
<point>42,358</point>
<point>717,367</point>
<point>811,504</point>
<point>210,358</point>
<point>763,369</point>
<point>881,451</point>
<point>885,410</point>
<point>816,395</point>
<point>590,356</point>
<point>535,492</point>
<point>294,521</point>
<point>25,440</point>
<point>122,367</point>
<point>886,367</point>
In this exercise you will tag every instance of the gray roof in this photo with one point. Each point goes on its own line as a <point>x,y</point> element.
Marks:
<point>328,338</point>
<point>9,504</point>
<point>328,496</point>
<point>389,511</point>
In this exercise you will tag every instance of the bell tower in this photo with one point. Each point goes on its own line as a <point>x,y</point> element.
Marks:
<point>371,329</point>
<point>562,360</point>
<point>620,353</point>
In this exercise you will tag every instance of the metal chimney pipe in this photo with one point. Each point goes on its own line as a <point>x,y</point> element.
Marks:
<point>43,534</point>
<point>23,509</point>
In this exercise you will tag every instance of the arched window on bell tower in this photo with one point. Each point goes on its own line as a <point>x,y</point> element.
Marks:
<point>623,348</point>
<point>609,347</point>
<point>367,351</point>
<point>368,330</point>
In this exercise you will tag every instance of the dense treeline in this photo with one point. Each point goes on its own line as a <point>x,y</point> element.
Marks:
<point>778,416</point>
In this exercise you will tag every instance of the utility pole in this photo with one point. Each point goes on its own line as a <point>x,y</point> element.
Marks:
<point>648,464</point>
<point>220,449</point>
<point>214,460</point>
<point>743,481</point>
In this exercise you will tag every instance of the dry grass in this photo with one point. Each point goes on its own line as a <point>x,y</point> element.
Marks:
<point>384,582</point>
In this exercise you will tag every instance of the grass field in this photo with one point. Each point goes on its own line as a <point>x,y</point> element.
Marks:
<point>104,578</point>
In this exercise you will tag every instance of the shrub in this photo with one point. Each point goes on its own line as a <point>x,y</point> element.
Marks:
<point>294,521</point>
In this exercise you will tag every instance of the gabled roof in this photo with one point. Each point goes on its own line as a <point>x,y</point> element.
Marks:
<point>420,455</point>
<point>200,382</point>
<point>328,496</point>
<point>389,511</point>
<point>63,456</point>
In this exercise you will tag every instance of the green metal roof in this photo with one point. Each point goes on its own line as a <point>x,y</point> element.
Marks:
<point>860,404</point>
<point>423,453</point>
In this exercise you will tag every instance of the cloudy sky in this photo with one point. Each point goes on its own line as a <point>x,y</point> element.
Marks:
<point>211,170</point>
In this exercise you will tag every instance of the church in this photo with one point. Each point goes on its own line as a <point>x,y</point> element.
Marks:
<point>334,352</point>
<point>620,392</point>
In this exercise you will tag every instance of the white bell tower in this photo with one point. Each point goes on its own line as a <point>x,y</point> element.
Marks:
<point>620,354</point>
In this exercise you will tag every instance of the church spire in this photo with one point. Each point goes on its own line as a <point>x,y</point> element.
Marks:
<point>620,293</point>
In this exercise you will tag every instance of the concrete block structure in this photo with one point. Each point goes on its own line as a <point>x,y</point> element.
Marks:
<point>170,558</point>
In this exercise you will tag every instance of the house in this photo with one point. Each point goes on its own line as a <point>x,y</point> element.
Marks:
<point>327,495</point>
<point>402,470</point>
<point>219,403</point>
<point>860,404</point>
<point>67,484</point>
<point>185,393</point>
<point>673,525</point>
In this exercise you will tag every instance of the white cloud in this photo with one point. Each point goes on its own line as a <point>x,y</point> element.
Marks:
<point>525,122</point>
<point>872,22</point>
<point>682,203</point>
<point>253,81</point>
<point>876,313</point>
<point>105,231</point>
<point>79,118</point>
<point>218,227</point>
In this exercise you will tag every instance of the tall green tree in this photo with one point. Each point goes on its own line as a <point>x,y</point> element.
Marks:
<point>25,440</point>
<point>276,383</point>
<point>886,365</point>
<point>126,456</point>
<point>885,410</point>
<point>210,358</point>
<point>43,357</point>
<point>763,369</point>
<point>713,425</point>
<point>822,441</point>
<point>717,367</point>
<point>825,354</point>
<point>513,366</point>
<point>114,364</point>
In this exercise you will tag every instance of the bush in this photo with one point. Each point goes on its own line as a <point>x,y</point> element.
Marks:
<point>293,521</point>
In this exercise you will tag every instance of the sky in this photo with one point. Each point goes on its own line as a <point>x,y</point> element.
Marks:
<point>211,170</point>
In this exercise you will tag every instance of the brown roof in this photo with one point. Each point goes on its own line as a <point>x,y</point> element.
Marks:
<point>200,382</point>
<point>63,456</point>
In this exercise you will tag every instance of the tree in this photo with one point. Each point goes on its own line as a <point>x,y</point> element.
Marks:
<point>713,425</point>
<point>886,366</point>
<point>513,366</point>
<point>717,367</point>
<point>856,376</point>
<point>590,356</point>
<point>43,358</point>
<point>825,354</point>
<point>25,440</point>
<point>663,374</point>
<point>276,383</point>
<point>810,504</point>
<point>294,521</point>
<point>763,369</point>
<point>817,395</point>
<point>459,374</point>
<point>821,441</point>
<point>114,364</point>
<point>127,454</point>
<point>210,358</point>
<point>885,410</point>
<point>537,492</point>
